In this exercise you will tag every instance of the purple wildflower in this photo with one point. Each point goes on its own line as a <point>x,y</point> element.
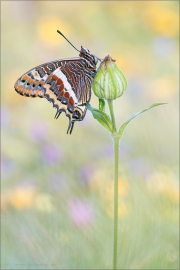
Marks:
<point>7,168</point>
<point>52,155</point>
<point>86,174</point>
<point>81,212</point>
<point>5,116</point>
<point>38,131</point>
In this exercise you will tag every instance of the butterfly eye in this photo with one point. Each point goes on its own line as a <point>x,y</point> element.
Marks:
<point>95,60</point>
<point>83,51</point>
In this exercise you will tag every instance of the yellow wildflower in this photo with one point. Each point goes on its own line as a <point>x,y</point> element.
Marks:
<point>162,19</point>
<point>105,187</point>
<point>22,197</point>
<point>164,183</point>
<point>47,30</point>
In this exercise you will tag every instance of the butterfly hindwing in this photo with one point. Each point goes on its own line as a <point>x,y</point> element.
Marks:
<point>59,92</point>
<point>68,90</point>
<point>31,83</point>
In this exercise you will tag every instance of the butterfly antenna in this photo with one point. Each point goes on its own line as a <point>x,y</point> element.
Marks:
<point>67,40</point>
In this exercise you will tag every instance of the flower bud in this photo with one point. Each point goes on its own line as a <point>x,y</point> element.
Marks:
<point>109,81</point>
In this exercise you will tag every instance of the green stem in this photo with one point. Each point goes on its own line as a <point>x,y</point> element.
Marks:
<point>111,109</point>
<point>116,163</point>
<point>116,140</point>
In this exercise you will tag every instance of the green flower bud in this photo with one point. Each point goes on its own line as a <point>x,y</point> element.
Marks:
<point>109,81</point>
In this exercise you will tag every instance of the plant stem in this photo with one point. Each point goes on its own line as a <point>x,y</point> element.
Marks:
<point>111,109</point>
<point>116,163</point>
<point>116,140</point>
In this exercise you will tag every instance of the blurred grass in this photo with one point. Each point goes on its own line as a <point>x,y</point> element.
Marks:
<point>56,190</point>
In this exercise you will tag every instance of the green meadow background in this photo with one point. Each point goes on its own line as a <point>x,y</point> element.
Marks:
<point>57,189</point>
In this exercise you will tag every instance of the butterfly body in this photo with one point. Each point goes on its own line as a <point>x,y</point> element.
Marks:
<point>65,83</point>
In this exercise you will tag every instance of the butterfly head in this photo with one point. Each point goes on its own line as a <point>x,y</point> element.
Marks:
<point>85,53</point>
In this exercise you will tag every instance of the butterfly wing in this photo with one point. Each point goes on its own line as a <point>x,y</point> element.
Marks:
<point>31,83</point>
<point>69,89</point>
<point>65,83</point>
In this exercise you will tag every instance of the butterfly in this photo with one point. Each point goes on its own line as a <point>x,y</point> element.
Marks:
<point>66,83</point>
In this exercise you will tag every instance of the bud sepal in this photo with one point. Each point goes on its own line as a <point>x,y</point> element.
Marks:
<point>102,104</point>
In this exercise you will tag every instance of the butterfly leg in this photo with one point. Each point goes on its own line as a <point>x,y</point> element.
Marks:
<point>72,126</point>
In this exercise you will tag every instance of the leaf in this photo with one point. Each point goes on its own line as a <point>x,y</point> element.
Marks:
<point>101,105</point>
<point>123,126</point>
<point>101,117</point>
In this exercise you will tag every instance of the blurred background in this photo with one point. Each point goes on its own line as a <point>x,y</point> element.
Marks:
<point>57,189</point>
